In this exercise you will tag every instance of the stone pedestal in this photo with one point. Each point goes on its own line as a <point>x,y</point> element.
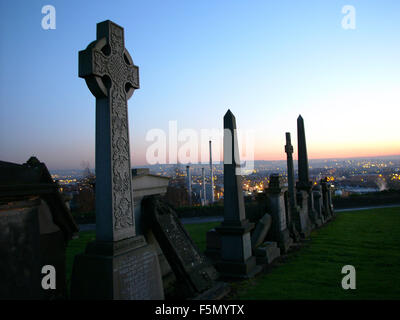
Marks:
<point>267,253</point>
<point>314,217</point>
<point>123,270</point>
<point>317,200</point>
<point>326,200</point>
<point>303,221</point>
<point>279,230</point>
<point>236,253</point>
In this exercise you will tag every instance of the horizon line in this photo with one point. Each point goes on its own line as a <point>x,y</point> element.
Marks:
<point>218,162</point>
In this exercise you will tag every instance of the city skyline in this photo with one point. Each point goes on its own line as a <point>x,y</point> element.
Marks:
<point>266,61</point>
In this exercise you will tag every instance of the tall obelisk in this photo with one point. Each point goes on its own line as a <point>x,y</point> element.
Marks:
<point>304,185</point>
<point>236,253</point>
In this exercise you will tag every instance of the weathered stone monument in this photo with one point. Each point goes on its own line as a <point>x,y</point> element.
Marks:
<point>300,220</point>
<point>329,194</point>
<point>146,184</point>
<point>236,252</point>
<point>35,227</point>
<point>118,264</point>
<point>317,200</point>
<point>327,205</point>
<point>265,252</point>
<point>261,230</point>
<point>304,185</point>
<point>279,229</point>
<point>195,275</point>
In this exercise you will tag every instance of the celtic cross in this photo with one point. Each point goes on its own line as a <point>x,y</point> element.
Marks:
<point>111,76</point>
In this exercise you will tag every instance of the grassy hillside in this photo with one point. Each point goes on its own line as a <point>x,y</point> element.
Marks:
<point>369,240</point>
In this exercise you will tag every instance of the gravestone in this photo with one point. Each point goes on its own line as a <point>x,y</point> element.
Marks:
<point>145,184</point>
<point>236,252</point>
<point>326,199</point>
<point>265,252</point>
<point>19,248</point>
<point>304,184</point>
<point>195,274</point>
<point>279,229</point>
<point>298,225</point>
<point>35,227</point>
<point>261,230</point>
<point>329,193</point>
<point>119,264</point>
<point>317,200</point>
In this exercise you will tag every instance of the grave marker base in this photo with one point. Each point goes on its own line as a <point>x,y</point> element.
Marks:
<point>236,242</point>
<point>123,270</point>
<point>267,253</point>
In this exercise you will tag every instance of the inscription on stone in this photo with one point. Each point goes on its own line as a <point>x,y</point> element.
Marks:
<point>136,274</point>
<point>187,253</point>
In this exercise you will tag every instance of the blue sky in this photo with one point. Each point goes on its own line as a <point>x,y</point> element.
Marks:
<point>268,61</point>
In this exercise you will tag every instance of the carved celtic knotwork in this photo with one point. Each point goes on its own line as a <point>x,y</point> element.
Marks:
<point>100,66</point>
<point>117,39</point>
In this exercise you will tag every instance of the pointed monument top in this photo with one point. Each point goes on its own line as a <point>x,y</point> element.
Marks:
<point>300,117</point>
<point>304,181</point>
<point>229,120</point>
<point>229,113</point>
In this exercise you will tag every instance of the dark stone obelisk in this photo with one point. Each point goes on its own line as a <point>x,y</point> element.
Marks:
<point>304,185</point>
<point>119,264</point>
<point>236,252</point>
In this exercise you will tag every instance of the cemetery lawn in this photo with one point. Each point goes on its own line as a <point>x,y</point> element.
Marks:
<point>367,239</point>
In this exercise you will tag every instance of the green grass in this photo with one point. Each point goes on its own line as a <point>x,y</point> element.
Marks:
<point>198,232</point>
<point>369,240</point>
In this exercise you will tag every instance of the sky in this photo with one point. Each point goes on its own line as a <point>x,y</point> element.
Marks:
<point>267,61</point>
